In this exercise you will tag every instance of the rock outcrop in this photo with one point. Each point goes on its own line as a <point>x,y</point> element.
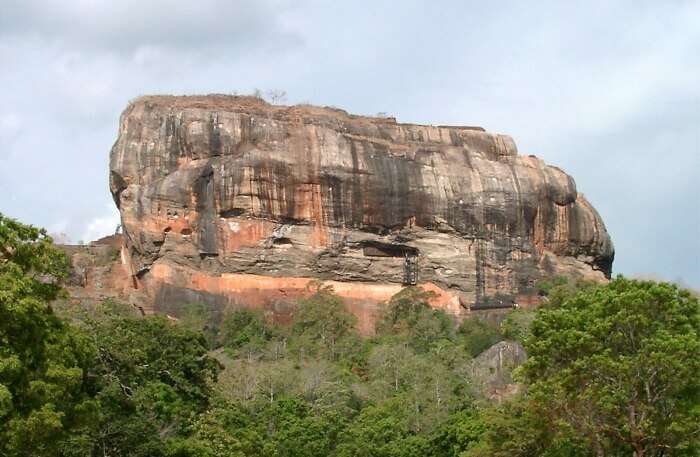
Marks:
<point>235,202</point>
<point>491,372</point>
<point>99,271</point>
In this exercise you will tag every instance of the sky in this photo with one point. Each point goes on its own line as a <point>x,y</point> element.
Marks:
<point>607,90</point>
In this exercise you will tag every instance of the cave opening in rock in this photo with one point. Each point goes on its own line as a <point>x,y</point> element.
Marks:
<point>372,248</point>
<point>282,241</point>
<point>233,212</point>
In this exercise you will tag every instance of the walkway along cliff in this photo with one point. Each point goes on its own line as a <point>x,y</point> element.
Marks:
<point>234,202</point>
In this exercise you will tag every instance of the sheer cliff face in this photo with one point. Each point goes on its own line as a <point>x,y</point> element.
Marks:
<point>236,202</point>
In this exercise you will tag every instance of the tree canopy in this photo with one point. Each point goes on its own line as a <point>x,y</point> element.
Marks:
<point>612,371</point>
<point>47,404</point>
<point>618,364</point>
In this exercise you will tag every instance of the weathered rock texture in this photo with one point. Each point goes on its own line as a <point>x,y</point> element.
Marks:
<point>100,271</point>
<point>491,372</point>
<point>232,201</point>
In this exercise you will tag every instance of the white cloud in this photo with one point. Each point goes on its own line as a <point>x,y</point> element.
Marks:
<point>10,129</point>
<point>125,25</point>
<point>57,230</point>
<point>101,226</point>
<point>10,124</point>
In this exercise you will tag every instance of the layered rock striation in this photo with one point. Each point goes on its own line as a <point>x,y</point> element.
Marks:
<point>234,202</point>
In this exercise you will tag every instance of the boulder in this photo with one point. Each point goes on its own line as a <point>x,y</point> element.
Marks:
<point>491,372</point>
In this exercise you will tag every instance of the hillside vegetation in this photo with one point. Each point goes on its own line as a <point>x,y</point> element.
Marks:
<point>612,370</point>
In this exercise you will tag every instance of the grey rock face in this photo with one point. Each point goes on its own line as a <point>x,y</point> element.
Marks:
<point>215,185</point>
<point>491,372</point>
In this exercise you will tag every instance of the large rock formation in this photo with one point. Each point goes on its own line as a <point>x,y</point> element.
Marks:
<point>235,202</point>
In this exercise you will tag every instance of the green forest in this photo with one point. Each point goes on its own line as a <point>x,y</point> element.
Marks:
<point>612,370</point>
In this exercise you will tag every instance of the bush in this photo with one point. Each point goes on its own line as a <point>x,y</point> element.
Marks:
<point>517,325</point>
<point>479,334</point>
<point>245,331</point>
<point>321,324</point>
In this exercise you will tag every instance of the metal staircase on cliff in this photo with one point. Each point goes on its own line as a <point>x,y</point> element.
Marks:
<point>410,270</point>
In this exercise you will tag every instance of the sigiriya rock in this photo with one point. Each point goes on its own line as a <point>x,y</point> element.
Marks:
<point>231,201</point>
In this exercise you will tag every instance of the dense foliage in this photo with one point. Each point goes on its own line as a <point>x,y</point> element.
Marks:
<point>619,366</point>
<point>612,370</point>
<point>47,400</point>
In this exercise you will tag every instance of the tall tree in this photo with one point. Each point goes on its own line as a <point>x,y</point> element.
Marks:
<point>155,377</point>
<point>408,314</point>
<point>46,404</point>
<point>619,365</point>
<point>322,323</point>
